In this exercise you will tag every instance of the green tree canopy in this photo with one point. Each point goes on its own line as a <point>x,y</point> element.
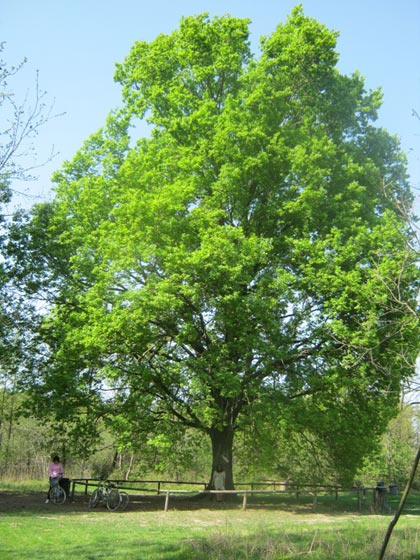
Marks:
<point>243,263</point>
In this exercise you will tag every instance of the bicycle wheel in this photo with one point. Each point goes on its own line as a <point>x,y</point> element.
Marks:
<point>94,498</point>
<point>58,495</point>
<point>113,499</point>
<point>124,501</point>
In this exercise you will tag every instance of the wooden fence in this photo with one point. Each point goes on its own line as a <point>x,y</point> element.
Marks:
<point>161,487</point>
<point>153,486</point>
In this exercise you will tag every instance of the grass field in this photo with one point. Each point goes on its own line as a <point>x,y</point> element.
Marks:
<point>269,529</point>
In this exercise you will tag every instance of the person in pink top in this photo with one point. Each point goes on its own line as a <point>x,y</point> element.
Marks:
<point>55,470</point>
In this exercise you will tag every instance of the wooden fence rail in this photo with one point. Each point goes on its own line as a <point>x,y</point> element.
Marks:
<point>288,487</point>
<point>129,484</point>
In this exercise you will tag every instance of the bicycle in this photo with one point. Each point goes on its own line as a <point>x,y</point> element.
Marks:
<point>57,493</point>
<point>107,493</point>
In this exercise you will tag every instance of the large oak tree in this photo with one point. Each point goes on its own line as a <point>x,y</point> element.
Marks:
<point>241,262</point>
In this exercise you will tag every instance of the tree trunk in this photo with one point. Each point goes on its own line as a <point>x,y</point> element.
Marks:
<point>222,443</point>
<point>130,466</point>
<point>9,430</point>
<point>401,505</point>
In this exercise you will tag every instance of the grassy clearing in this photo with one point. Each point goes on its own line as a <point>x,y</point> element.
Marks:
<point>24,485</point>
<point>263,532</point>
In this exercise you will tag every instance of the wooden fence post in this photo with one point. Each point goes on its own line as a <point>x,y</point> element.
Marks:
<point>244,500</point>
<point>167,501</point>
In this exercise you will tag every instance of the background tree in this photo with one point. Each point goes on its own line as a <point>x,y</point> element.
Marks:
<point>392,462</point>
<point>242,262</point>
<point>21,119</point>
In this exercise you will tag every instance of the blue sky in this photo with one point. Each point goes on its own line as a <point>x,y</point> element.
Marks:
<point>75,44</point>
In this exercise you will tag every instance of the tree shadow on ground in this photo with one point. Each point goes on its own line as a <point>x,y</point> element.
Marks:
<point>12,502</point>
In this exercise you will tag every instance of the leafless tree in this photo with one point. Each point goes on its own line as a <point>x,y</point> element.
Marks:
<point>21,121</point>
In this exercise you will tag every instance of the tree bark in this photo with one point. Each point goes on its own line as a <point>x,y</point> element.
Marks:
<point>222,444</point>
